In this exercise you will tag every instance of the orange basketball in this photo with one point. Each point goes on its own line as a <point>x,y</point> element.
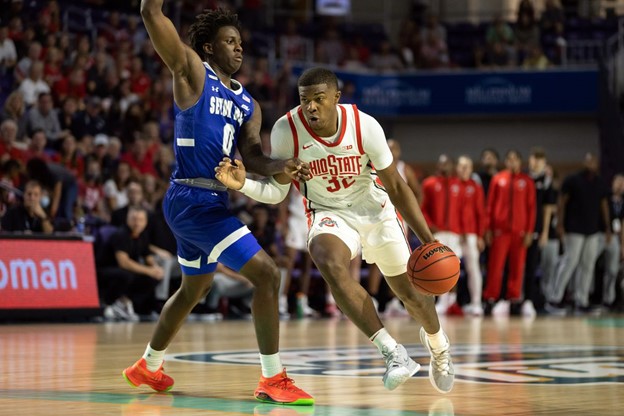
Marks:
<point>433,269</point>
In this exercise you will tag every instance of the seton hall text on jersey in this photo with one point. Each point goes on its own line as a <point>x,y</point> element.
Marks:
<point>225,108</point>
<point>336,166</point>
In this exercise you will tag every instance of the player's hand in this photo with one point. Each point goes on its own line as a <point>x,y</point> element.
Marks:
<point>480,244</point>
<point>231,174</point>
<point>297,169</point>
<point>488,237</point>
<point>157,273</point>
<point>527,239</point>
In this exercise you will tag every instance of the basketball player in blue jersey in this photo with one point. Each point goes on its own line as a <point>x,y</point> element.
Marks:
<point>348,209</point>
<point>214,116</point>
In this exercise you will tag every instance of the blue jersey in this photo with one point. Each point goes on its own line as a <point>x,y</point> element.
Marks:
<point>206,232</point>
<point>208,131</point>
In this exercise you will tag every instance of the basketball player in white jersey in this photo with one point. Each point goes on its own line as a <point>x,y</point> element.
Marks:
<point>347,210</point>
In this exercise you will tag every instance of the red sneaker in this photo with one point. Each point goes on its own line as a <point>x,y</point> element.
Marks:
<point>281,389</point>
<point>138,374</point>
<point>455,310</point>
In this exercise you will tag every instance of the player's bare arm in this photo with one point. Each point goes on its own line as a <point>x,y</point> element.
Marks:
<point>250,148</point>
<point>183,62</point>
<point>405,201</point>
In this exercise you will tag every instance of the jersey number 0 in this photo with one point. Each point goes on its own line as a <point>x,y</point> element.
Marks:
<point>228,138</point>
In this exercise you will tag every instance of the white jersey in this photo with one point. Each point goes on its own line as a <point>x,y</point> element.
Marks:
<point>296,204</point>
<point>342,166</point>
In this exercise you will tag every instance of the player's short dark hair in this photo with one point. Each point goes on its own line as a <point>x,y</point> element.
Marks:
<point>514,152</point>
<point>538,152</point>
<point>207,24</point>
<point>317,76</point>
<point>490,150</point>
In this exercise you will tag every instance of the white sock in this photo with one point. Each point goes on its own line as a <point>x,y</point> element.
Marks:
<point>153,358</point>
<point>383,340</point>
<point>437,340</point>
<point>271,365</point>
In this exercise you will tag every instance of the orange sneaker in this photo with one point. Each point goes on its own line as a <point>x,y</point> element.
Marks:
<point>281,389</point>
<point>138,374</point>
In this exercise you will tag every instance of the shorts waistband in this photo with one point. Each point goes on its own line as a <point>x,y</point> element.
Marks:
<point>206,183</point>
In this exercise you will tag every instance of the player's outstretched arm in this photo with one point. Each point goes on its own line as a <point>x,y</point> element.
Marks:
<point>270,190</point>
<point>405,201</point>
<point>183,62</point>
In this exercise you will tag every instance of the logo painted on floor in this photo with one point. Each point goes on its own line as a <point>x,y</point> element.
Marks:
<point>513,364</point>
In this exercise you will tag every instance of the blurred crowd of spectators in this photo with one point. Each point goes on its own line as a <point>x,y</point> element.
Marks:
<point>86,118</point>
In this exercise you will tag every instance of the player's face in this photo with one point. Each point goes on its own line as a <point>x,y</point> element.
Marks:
<point>318,103</point>
<point>32,196</point>
<point>464,168</point>
<point>513,162</point>
<point>226,51</point>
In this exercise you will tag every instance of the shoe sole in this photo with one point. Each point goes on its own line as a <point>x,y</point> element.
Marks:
<point>131,383</point>
<point>265,398</point>
<point>402,377</point>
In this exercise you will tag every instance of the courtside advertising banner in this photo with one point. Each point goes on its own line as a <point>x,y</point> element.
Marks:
<point>47,274</point>
<point>520,92</point>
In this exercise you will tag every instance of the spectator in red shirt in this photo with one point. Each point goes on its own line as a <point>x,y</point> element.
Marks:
<point>440,206</point>
<point>511,219</point>
<point>37,147</point>
<point>73,85</point>
<point>139,159</point>
<point>8,150</point>
<point>139,81</point>
<point>70,158</point>
<point>473,225</point>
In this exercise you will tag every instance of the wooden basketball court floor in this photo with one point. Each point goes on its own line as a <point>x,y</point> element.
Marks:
<point>546,366</point>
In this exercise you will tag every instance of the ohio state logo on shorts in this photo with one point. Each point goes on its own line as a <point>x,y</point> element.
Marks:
<point>327,222</point>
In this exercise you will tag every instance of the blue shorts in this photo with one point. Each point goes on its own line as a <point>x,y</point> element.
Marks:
<point>206,231</point>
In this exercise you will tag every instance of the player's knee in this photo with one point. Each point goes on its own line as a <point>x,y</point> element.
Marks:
<point>267,278</point>
<point>193,295</point>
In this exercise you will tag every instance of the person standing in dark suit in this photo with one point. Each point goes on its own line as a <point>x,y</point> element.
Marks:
<point>583,208</point>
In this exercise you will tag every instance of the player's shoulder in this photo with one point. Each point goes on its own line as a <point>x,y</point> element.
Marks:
<point>282,122</point>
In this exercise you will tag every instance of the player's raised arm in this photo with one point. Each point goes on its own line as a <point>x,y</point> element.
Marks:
<point>183,62</point>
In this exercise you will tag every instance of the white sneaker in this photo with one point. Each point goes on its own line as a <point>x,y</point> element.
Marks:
<point>109,313</point>
<point>120,311</point>
<point>528,310</point>
<point>133,316</point>
<point>395,308</point>
<point>441,370</point>
<point>473,309</point>
<point>501,308</point>
<point>399,367</point>
<point>303,308</point>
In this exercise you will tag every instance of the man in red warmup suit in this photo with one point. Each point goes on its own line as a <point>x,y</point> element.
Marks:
<point>441,208</point>
<point>511,219</point>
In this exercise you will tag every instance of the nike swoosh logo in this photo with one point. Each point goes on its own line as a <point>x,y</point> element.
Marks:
<point>308,146</point>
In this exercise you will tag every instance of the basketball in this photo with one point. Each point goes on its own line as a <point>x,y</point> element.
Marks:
<point>433,269</point>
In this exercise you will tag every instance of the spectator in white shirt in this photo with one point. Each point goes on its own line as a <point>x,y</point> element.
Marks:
<point>8,54</point>
<point>34,85</point>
